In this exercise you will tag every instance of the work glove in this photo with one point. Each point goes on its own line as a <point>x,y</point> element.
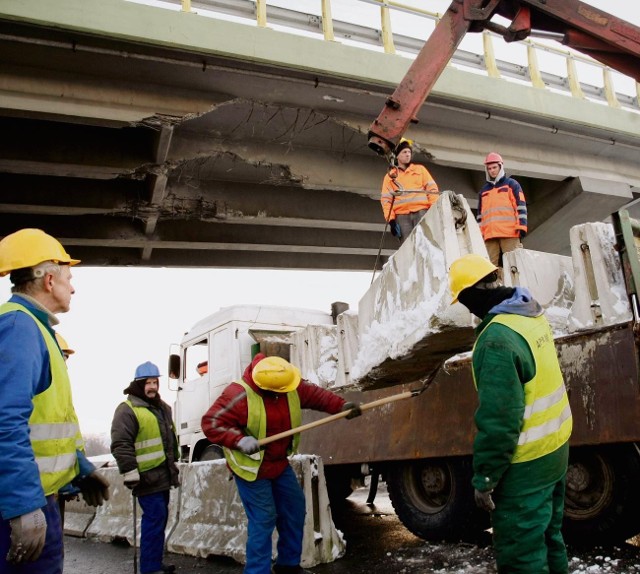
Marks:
<point>94,489</point>
<point>28,534</point>
<point>354,408</point>
<point>484,500</point>
<point>248,445</point>
<point>395,229</point>
<point>131,479</point>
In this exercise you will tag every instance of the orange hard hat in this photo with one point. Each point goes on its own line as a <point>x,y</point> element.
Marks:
<point>493,157</point>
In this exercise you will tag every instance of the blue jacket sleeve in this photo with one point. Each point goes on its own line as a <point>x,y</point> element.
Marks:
<point>24,373</point>
<point>86,466</point>
<point>521,204</point>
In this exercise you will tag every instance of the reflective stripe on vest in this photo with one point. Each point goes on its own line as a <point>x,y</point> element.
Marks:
<point>247,466</point>
<point>547,421</point>
<point>499,216</point>
<point>148,445</point>
<point>53,425</point>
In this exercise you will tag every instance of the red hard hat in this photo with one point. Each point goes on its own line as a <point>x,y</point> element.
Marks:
<point>493,157</point>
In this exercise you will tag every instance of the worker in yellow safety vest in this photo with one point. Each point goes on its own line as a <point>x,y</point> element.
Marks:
<point>266,401</point>
<point>521,449</point>
<point>41,448</point>
<point>144,444</point>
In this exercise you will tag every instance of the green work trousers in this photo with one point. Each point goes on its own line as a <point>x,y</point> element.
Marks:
<point>527,535</point>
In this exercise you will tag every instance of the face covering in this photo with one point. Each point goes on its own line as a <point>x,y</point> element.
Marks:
<point>481,301</point>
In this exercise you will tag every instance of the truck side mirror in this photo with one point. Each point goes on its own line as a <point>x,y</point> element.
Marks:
<point>174,366</point>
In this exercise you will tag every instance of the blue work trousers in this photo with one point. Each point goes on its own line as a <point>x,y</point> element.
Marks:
<point>52,557</point>
<point>273,503</point>
<point>155,512</point>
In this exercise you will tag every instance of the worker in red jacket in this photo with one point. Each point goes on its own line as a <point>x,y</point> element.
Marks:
<point>268,400</point>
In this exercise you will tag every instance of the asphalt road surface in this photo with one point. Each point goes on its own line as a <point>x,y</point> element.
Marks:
<point>376,543</point>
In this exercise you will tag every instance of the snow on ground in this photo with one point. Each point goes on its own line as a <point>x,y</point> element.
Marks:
<point>471,559</point>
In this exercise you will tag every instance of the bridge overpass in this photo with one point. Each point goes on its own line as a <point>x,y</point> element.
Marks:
<point>141,135</point>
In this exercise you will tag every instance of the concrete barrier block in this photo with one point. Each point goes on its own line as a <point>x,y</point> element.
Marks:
<point>114,519</point>
<point>549,277</point>
<point>601,297</point>
<point>315,353</point>
<point>211,517</point>
<point>347,324</point>
<point>212,520</point>
<point>406,313</point>
<point>321,543</point>
<point>77,517</point>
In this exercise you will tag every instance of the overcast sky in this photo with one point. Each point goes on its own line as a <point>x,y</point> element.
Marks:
<point>121,317</point>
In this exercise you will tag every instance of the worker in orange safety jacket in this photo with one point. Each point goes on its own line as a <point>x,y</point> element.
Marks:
<point>407,196</point>
<point>502,210</point>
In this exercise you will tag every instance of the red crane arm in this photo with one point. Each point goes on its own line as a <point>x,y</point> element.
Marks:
<point>610,40</point>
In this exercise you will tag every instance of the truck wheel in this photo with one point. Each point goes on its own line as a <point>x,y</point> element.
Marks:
<point>211,452</point>
<point>602,499</point>
<point>434,499</point>
<point>338,481</point>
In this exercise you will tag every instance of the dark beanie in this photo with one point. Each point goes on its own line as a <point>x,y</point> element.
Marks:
<point>136,387</point>
<point>402,145</point>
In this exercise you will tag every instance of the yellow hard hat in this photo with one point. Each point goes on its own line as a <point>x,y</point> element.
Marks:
<point>467,271</point>
<point>28,248</point>
<point>64,346</point>
<point>276,374</point>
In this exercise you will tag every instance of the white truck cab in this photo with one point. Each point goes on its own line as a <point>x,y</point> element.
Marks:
<point>216,351</point>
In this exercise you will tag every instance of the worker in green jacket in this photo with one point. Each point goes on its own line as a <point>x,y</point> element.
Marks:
<point>521,449</point>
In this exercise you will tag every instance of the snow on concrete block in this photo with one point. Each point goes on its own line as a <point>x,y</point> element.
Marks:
<point>314,351</point>
<point>347,324</point>
<point>406,313</point>
<point>321,543</point>
<point>213,521</point>
<point>114,519</point>
<point>601,297</point>
<point>549,277</point>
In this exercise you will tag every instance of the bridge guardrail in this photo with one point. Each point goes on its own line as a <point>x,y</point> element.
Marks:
<point>321,23</point>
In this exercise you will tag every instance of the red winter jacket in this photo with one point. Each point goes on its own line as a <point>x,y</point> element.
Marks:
<point>225,421</point>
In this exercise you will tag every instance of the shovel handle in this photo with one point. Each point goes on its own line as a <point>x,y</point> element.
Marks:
<point>337,416</point>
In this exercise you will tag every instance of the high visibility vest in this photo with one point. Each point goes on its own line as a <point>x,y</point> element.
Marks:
<point>53,425</point>
<point>417,178</point>
<point>502,215</point>
<point>148,445</point>
<point>547,421</point>
<point>247,466</point>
